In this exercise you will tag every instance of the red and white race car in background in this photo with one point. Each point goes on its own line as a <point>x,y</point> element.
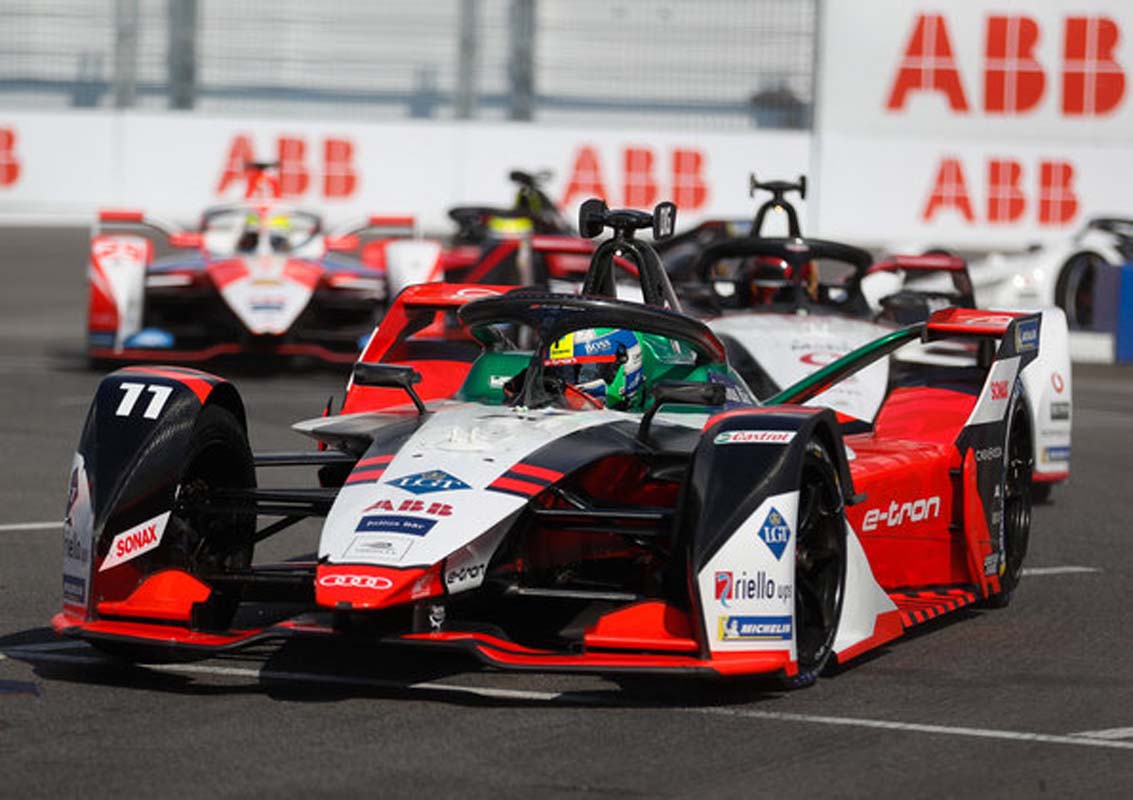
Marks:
<point>254,277</point>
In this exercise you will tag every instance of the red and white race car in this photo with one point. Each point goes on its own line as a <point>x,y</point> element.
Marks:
<point>254,277</point>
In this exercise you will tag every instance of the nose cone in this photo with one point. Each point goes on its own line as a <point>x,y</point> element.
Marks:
<point>362,587</point>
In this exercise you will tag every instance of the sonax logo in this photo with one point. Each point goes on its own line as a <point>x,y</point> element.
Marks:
<point>130,544</point>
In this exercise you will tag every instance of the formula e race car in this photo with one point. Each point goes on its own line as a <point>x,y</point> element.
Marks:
<point>601,493</point>
<point>786,306</point>
<point>262,278</point>
<point>1063,274</point>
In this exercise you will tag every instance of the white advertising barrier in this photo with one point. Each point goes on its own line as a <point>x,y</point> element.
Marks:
<point>174,165</point>
<point>972,124</point>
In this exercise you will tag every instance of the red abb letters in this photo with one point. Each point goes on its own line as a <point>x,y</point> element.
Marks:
<point>1093,81</point>
<point>1006,198</point>
<point>928,65</point>
<point>640,186</point>
<point>339,177</point>
<point>9,164</point>
<point>1013,79</point>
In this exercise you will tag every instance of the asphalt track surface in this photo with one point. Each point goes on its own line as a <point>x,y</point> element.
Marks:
<point>983,703</point>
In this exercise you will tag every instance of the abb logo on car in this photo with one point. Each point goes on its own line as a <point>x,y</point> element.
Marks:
<point>132,543</point>
<point>352,581</point>
<point>999,390</point>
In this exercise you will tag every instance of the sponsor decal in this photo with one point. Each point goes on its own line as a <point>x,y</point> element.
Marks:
<point>435,480</point>
<point>414,506</point>
<point>498,381</point>
<point>754,437</point>
<point>991,564</point>
<point>1026,335</point>
<point>820,359</point>
<point>1060,410</point>
<point>563,349</point>
<point>352,581</point>
<point>775,532</point>
<point>761,587</point>
<point>474,292</point>
<point>379,548</point>
<point>465,574</point>
<point>989,453</point>
<point>74,589</point>
<point>1056,454</point>
<point>999,390</point>
<point>995,320</point>
<point>421,587</point>
<point>267,304</point>
<point>919,510</point>
<point>743,628</point>
<point>1057,382</point>
<point>394,523</point>
<point>140,539</point>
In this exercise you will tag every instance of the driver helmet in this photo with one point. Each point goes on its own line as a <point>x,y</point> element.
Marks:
<point>605,363</point>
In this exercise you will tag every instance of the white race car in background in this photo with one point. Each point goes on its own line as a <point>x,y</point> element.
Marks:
<point>1061,274</point>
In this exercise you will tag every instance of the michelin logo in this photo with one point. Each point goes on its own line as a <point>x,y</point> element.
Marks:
<point>753,629</point>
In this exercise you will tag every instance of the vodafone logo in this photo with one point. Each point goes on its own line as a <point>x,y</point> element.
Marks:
<point>820,359</point>
<point>140,539</point>
<point>351,581</point>
<point>1057,382</point>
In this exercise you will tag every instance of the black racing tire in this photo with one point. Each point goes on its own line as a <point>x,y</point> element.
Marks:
<point>202,542</point>
<point>1017,488</point>
<point>1074,289</point>
<point>820,565</point>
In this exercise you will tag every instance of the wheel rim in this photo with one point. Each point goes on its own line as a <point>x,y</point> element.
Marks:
<point>819,565</point>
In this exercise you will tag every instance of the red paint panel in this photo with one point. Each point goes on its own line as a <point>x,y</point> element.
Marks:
<point>168,595</point>
<point>532,471</point>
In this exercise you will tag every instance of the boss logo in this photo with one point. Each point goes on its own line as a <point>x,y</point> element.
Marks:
<point>350,581</point>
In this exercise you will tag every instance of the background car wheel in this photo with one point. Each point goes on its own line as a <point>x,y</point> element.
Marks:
<point>1017,498</point>
<point>1074,290</point>
<point>820,565</point>
<point>203,541</point>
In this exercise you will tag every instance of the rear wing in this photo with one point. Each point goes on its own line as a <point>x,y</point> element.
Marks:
<point>955,267</point>
<point>1017,334</point>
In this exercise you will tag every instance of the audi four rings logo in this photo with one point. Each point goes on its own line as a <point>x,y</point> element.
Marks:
<point>356,581</point>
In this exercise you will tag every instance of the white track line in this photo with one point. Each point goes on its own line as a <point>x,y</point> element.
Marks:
<point>1109,733</point>
<point>1105,739</point>
<point>913,727</point>
<point>30,526</point>
<point>1038,571</point>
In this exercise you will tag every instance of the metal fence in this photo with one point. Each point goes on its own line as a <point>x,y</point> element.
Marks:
<point>709,64</point>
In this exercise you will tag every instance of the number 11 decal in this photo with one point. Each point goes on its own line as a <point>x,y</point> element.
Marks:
<point>133,391</point>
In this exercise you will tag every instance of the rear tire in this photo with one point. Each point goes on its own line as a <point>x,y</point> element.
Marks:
<point>1074,290</point>
<point>820,565</point>
<point>1017,497</point>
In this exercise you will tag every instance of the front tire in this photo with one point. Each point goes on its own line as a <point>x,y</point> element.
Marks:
<point>820,565</point>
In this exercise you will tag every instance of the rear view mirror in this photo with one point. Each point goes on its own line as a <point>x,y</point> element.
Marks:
<point>680,393</point>
<point>664,220</point>
<point>390,376</point>
<point>592,217</point>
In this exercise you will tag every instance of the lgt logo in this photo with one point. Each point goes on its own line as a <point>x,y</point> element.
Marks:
<point>339,177</point>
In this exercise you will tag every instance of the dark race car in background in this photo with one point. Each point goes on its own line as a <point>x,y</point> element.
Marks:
<point>258,277</point>
<point>787,306</point>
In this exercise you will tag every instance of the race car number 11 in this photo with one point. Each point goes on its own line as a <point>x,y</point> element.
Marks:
<point>133,391</point>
